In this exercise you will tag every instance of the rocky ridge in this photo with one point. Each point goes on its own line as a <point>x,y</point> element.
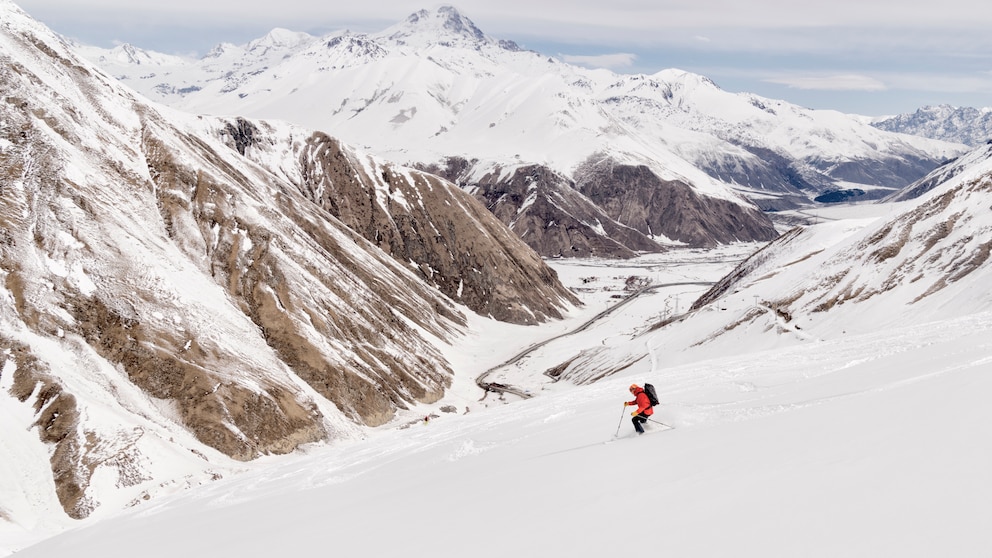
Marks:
<point>967,125</point>
<point>217,289</point>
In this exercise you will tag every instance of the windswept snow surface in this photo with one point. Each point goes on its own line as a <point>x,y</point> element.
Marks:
<point>868,444</point>
<point>875,446</point>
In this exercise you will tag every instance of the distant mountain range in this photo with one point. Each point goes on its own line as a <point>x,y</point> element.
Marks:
<point>967,125</point>
<point>575,161</point>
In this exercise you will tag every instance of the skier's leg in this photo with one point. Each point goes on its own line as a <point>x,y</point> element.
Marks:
<point>638,421</point>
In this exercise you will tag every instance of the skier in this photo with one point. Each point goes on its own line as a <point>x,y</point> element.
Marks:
<point>644,409</point>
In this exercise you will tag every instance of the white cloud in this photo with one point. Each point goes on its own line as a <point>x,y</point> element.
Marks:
<point>837,82</point>
<point>946,82</point>
<point>613,61</point>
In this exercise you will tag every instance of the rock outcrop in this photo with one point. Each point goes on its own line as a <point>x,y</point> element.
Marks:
<point>218,289</point>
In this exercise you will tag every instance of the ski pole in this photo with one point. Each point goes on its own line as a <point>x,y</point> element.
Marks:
<point>622,413</point>
<point>656,422</point>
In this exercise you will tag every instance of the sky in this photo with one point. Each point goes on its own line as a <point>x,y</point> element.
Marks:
<point>874,57</point>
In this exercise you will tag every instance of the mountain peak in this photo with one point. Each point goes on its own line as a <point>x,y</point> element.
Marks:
<point>280,38</point>
<point>444,26</point>
<point>126,54</point>
<point>447,19</point>
<point>685,78</point>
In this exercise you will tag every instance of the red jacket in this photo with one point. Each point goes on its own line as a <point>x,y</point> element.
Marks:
<point>642,402</point>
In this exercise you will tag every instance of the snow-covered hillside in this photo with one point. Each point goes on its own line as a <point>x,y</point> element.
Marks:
<point>435,92</point>
<point>853,443</point>
<point>204,288</point>
<point>966,164</point>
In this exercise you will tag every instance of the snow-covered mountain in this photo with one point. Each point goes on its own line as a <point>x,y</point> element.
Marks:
<point>208,288</point>
<point>540,141</point>
<point>944,173</point>
<point>967,125</point>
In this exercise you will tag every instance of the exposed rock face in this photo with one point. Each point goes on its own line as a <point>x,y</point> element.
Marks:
<point>57,423</point>
<point>408,214</point>
<point>944,240</point>
<point>610,210</point>
<point>546,211</point>
<point>943,243</point>
<point>771,180</point>
<point>639,199</point>
<point>193,286</point>
<point>775,182</point>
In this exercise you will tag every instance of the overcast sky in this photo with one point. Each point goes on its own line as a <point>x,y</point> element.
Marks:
<point>870,57</point>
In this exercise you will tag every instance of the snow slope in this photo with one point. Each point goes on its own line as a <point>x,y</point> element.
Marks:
<point>839,443</point>
<point>862,446</point>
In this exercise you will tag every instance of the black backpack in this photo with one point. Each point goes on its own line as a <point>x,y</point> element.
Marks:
<point>652,396</point>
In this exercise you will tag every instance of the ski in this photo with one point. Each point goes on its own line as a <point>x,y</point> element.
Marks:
<point>648,431</point>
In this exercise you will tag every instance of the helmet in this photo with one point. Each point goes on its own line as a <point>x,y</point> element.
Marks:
<point>634,387</point>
